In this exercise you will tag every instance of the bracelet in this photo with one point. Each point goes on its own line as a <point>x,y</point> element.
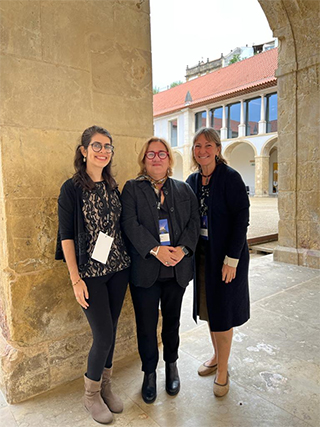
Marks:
<point>75,283</point>
<point>155,253</point>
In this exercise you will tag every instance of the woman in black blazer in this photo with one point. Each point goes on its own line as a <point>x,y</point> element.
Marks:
<point>222,255</point>
<point>161,221</point>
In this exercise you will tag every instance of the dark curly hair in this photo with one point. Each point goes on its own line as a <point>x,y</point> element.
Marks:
<point>81,178</point>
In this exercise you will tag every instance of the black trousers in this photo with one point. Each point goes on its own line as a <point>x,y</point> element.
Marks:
<point>146,305</point>
<point>106,295</point>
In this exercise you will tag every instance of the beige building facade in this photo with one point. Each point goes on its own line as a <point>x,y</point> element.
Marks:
<point>66,67</point>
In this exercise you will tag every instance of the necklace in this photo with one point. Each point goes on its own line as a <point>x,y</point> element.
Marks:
<point>207,177</point>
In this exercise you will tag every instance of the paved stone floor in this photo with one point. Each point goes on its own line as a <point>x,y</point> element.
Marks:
<point>274,367</point>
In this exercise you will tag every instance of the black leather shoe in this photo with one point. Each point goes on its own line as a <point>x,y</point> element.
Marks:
<point>172,379</point>
<point>149,387</point>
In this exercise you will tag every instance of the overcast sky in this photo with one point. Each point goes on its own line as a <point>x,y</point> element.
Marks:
<point>185,31</point>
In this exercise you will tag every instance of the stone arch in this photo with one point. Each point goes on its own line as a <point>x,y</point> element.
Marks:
<point>227,150</point>
<point>243,160</point>
<point>269,145</point>
<point>295,23</point>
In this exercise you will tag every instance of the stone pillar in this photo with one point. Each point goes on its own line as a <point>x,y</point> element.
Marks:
<point>296,24</point>
<point>224,130</point>
<point>188,120</point>
<point>261,176</point>
<point>242,125</point>
<point>64,67</point>
<point>262,122</point>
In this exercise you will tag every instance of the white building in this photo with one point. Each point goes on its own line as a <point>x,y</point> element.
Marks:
<point>240,102</point>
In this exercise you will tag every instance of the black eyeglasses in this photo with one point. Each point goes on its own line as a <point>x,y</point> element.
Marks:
<point>97,147</point>
<point>161,154</point>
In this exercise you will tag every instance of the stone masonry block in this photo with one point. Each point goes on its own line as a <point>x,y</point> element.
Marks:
<point>43,308</point>
<point>308,205</point>
<point>127,72</point>
<point>125,161</point>
<point>24,374</point>
<point>43,160</point>
<point>133,35</point>
<point>287,233</point>
<point>123,116</point>
<point>20,28</point>
<point>287,176</point>
<point>64,38</point>
<point>42,95</point>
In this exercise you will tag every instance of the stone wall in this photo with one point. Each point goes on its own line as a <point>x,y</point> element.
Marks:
<point>296,24</point>
<point>65,65</point>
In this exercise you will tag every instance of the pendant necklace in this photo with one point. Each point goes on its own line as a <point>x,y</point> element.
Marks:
<point>207,177</point>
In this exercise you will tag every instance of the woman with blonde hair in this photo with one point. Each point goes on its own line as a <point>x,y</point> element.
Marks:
<point>161,221</point>
<point>222,255</point>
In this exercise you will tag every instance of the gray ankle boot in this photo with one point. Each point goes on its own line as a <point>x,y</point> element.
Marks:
<point>112,400</point>
<point>93,402</point>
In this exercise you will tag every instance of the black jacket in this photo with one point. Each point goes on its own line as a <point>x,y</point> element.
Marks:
<point>71,221</point>
<point>228,219</point>
<point>140,225</point>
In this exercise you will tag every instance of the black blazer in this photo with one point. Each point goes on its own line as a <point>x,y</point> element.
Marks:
<point>141,226</point>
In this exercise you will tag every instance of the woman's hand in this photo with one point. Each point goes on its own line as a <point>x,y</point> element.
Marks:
<point>81,293</point>
<point>228,273</point>
<point>167,255</point>
<point>177,254</point>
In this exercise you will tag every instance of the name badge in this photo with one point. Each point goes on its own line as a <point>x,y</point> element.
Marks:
<point>204,227</point>
<point>164,232</point>
<point>102,248</point>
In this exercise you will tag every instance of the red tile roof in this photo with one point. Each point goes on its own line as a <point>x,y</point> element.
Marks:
<point>246,76</point>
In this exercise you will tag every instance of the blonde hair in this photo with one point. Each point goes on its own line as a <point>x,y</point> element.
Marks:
<point>212,136</point>
<point>144,149</point>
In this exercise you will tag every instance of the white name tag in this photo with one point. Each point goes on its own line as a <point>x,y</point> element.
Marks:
<point>204,232</point>
<point>102,248</point>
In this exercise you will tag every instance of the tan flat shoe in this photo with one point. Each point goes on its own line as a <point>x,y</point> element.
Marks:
<point>221,390</point>
<point>207,370</point>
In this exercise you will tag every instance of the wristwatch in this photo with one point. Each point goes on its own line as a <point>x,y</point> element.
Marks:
<point>184,250</point>
<point>155,253</point>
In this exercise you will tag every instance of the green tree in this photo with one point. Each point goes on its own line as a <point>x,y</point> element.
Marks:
<point>174,84</point>
<point>235,58</point>
<point>156,90</point>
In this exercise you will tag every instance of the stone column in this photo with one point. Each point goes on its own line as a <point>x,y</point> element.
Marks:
<point>63,68</point>
<point>262,122</point>
<point>207,117</point>
<point>242,125</point>
<point>261,176</point>
<point>296,25</point>
<point>224,130</point>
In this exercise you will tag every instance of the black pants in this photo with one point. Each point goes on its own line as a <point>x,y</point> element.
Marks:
<point>106,295</point>
<point>146,306</point>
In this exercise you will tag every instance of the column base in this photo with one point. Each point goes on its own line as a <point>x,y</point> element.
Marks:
<point>304,257</point>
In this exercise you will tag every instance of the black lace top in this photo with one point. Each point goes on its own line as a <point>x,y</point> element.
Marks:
<point>96,220</point>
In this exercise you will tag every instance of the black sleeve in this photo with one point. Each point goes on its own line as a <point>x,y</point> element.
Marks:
<point>238,205</point>
<point>66,206</point>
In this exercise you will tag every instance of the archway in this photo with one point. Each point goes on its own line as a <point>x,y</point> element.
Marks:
<point>270,151</point>
<point>241,156</point>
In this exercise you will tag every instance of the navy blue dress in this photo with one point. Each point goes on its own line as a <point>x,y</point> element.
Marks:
<point>228,304</point>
